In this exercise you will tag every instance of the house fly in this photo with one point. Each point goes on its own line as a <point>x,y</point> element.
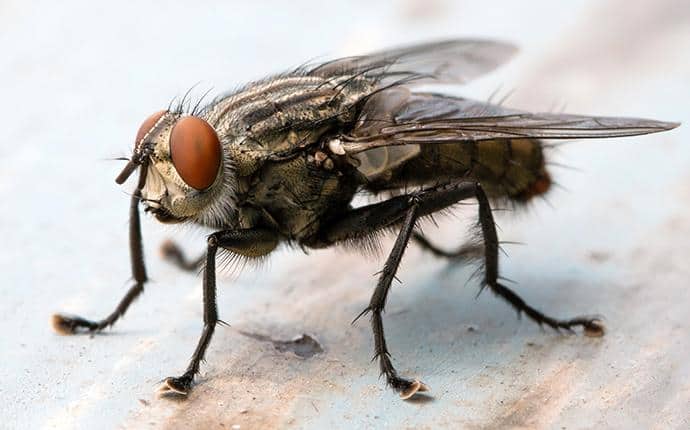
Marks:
<point>281,159</point>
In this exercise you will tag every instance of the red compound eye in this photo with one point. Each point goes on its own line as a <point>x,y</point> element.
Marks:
<point>195,151</point>
<point>148,125</point>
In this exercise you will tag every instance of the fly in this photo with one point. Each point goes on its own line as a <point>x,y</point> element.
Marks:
<point>280,161</point>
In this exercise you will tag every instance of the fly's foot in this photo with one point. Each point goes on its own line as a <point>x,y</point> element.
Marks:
<point>66,325</point>
<point>594,327</point>
<point>180,386</point>
<point>591,326</point>
<point>407,388</point>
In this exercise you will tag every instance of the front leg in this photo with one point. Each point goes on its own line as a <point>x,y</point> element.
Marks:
<point>67,324</point>
<point>250,243</point>
<point>173,254</point>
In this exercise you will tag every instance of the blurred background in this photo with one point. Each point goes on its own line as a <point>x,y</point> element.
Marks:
<point>79,77</point>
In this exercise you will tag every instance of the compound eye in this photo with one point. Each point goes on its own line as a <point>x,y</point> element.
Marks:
<point>148,125</point>
<point>195,151</point>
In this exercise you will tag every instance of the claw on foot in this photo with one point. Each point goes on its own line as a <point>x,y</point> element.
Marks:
<point>62,324</point>
<point>175,387</point>
<point>67,325</point>
<point>412,389</point>
<point>594,328</point>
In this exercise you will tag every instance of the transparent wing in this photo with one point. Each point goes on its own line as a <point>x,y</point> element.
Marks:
<point>449,61</point>
<point>422,118</point>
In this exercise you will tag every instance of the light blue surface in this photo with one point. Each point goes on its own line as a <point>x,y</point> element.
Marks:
<point>79,77</point>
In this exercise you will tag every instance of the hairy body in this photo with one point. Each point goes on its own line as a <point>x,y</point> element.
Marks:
<point>281,160</point>
<point>285,137</point>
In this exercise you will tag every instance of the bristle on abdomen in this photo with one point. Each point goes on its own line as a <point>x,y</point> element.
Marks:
<point>512,168</point>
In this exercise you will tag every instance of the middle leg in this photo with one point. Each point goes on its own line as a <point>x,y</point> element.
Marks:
<point>407,388</point>
<point>172,253</point>
<point>249,243</point>
<point>467,251</point>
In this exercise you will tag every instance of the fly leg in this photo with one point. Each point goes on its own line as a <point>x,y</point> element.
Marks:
<point>362,222</point>
<point>407,388</point>
<point>465,252</point>
<point>249,243</point>
<point>365,221</point>
<point>591,326</point>
<point>65,324</point>
<point>182,384</point>
<point>174,255</point>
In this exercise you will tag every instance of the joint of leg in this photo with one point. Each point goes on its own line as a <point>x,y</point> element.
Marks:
<point>415,198</point>
<point>212,241</point>
<point>375,309</point>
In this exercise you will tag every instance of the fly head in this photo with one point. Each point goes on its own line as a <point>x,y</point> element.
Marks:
<point>188,174</point>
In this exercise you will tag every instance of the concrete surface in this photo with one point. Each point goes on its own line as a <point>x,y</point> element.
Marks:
<point>79,77</point>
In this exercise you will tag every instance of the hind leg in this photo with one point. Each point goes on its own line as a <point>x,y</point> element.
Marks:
<point>591,326</point>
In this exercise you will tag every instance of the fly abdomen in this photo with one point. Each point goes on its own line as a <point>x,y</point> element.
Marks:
<point>512,168</point>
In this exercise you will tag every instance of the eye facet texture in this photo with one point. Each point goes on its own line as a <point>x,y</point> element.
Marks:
<point>147,125</point>
<point>195,151</point>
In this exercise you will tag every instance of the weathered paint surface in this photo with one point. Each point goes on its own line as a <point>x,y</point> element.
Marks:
<point>79,78</point>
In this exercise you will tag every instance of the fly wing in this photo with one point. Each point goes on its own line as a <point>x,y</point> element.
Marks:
<point>423,118</point>
<point>449,61</point>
